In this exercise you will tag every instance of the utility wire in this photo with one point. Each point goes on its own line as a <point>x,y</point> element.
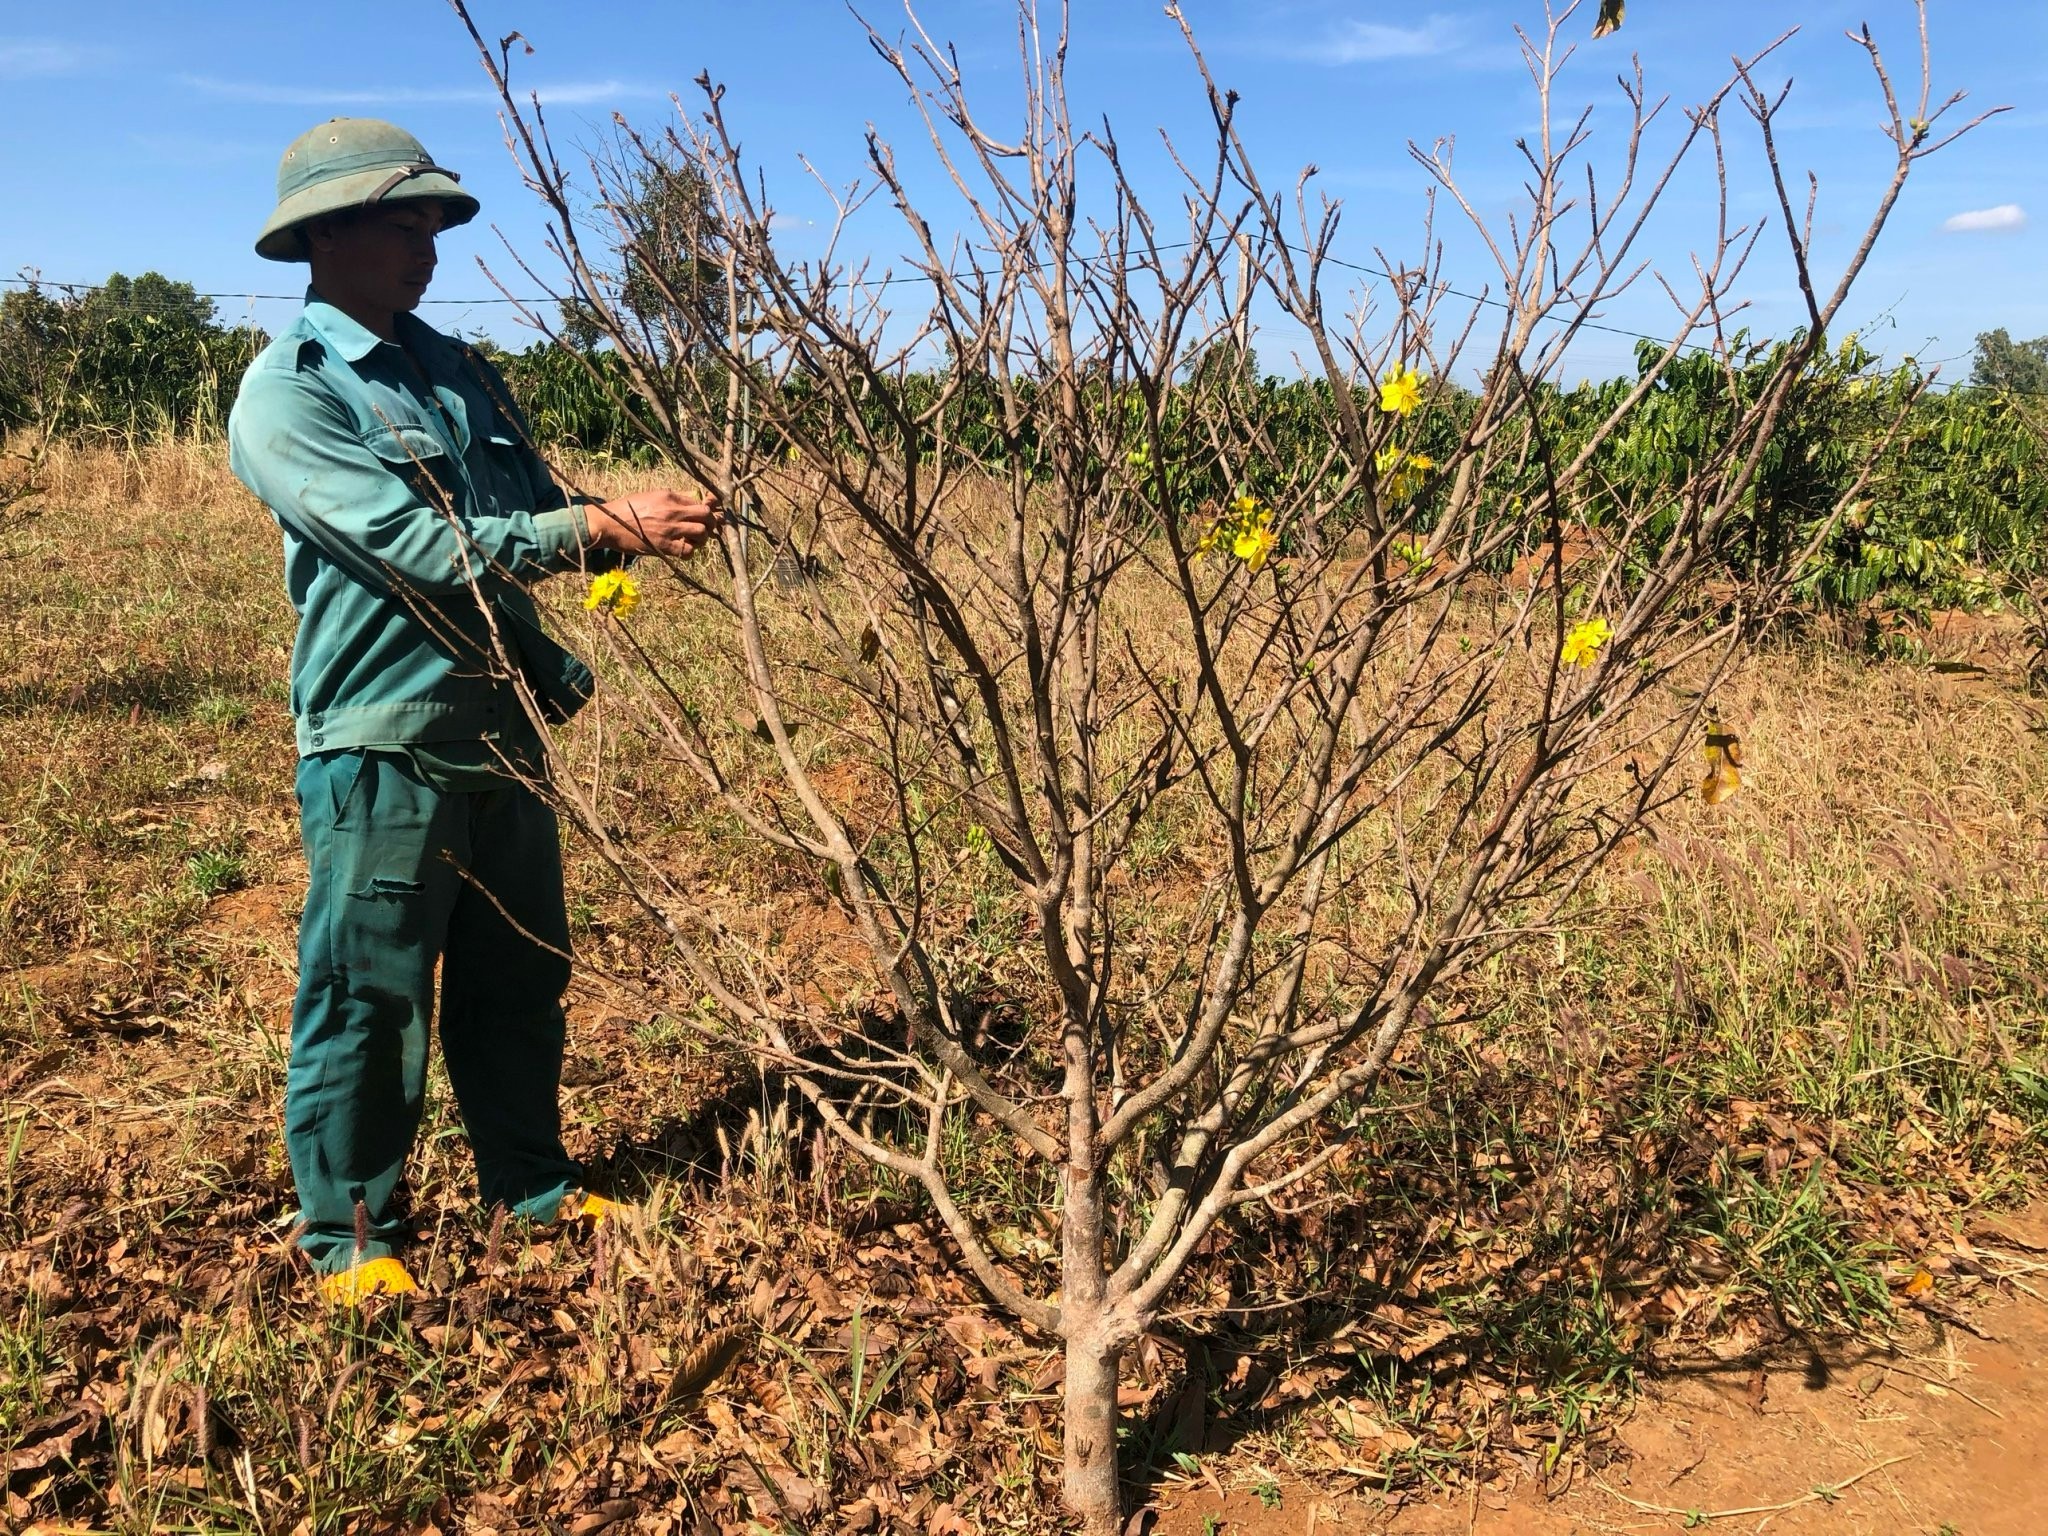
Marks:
<point>71,290</point>
<point>75,289</point>
<point>133,306</point>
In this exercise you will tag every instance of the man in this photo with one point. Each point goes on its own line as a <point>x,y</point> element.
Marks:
<point>415,512</point>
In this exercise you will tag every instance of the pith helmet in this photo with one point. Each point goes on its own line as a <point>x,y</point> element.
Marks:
<point>353,162</point>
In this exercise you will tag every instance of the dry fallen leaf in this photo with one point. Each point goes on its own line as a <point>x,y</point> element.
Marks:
<point>710,1358</point>
<point>52,1438</point>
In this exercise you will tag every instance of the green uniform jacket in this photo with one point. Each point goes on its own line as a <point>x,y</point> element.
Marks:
<point>413,516</point>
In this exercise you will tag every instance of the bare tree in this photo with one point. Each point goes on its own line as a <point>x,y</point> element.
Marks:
<point>1093,599</point>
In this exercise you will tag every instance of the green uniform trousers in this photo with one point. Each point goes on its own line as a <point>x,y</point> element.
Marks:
<point>406,871</point>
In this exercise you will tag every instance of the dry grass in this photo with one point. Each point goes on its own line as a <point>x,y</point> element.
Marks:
<point>1787,1046</point>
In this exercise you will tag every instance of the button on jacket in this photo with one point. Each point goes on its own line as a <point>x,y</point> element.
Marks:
<point>413,510</point>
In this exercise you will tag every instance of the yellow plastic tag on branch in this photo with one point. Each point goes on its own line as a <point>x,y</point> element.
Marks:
<point>1723,752</point>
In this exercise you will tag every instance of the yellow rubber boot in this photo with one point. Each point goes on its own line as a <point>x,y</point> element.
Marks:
<point>593,1208</point>
<point>373,1277</point>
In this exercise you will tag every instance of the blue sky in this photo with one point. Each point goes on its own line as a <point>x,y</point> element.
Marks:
<point>139,134</point>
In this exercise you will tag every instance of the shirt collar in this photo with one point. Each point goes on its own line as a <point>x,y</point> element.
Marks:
<point>351,338</point>
<point>418,337</point>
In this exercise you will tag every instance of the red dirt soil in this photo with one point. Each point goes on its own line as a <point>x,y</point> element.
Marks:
<point>1947,1437</point>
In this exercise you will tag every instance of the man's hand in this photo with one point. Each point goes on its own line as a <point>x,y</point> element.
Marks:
<point>660,522</point>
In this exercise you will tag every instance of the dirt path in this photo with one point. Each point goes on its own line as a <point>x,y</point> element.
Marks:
<point>1949,1437</point>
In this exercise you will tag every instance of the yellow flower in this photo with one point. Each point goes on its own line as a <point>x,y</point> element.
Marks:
<point>1401,390</point>
<point>1247,532</point>
<point>1584,641</point>
<point>1408,470</point>
<point>1253,544</point>
<point>614,592</point>
<point>1251,536</point>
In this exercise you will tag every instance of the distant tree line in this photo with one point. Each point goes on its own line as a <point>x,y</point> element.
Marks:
<point>1963,493</point>
<point>133,359</point>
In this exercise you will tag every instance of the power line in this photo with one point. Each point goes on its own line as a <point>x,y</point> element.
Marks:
<point>134,306</point>
<point>75,290</point>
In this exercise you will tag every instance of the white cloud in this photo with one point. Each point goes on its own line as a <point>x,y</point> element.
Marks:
<point>2004,216</point>
<point>21,57</point>
<point>1367,42</point>
<point>196,150</point>
<point>567,93</point>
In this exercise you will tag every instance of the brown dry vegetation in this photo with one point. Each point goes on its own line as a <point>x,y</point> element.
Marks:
<point>1786,1048</point>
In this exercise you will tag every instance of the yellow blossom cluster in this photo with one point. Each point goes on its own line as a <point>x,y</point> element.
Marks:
<point>1247,532</point>
<point>1583,641</point>
<point>1408,470</point>
<point>614,593</point>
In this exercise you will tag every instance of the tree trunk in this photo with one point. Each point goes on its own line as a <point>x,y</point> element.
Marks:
<point>1094,1346</point>
<point>1093,1493</point>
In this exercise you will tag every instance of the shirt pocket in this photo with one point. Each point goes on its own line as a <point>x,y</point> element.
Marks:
<point>510,486</point>
<point>416,454</point>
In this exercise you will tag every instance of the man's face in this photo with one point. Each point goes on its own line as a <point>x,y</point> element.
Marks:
<point>384,256</point>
